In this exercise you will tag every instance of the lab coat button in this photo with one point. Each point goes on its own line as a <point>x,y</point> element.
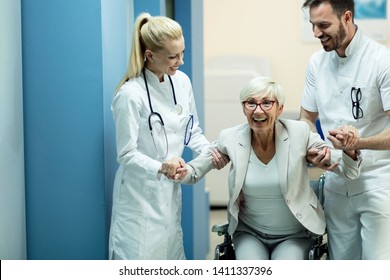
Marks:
<point>288,202</point>
<point>299,215</point>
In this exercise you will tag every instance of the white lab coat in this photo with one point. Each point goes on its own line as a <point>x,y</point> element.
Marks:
<point>146,212</point>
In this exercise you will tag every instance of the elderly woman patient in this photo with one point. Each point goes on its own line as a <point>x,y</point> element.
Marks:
<point>272,211</point>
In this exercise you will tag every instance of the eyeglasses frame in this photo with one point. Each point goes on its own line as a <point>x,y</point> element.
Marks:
<point>356,109</point>
<point>259,104</point>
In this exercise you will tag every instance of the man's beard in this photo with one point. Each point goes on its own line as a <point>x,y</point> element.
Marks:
<point>339,38</point>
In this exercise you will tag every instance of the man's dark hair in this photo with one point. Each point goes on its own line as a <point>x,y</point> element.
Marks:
<point>339,6</point>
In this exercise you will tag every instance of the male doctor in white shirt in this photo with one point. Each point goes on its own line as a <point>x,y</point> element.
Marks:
<point>348,83</point>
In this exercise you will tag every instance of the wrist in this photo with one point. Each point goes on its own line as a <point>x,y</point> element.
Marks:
<point>160,171</point>
<point>353,154</point>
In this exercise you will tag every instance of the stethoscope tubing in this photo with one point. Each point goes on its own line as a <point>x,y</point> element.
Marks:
<point>152,112</point>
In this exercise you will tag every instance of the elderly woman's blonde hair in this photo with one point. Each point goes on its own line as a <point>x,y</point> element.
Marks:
<point>150,33</point>
<point>262,86</point>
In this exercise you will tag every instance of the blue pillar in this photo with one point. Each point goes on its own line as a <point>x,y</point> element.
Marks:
<point>153,7</point>
<point>189,13</point>
<point>64,81</point>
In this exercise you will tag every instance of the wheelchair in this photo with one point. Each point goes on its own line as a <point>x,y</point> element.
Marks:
<point>318,250</point>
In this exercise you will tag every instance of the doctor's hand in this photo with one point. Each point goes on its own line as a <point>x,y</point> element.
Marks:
<point>181,172</point>
<point>344,138</point>
<point>320,158</point>
<point>219,159</point>
<point>173,168</point>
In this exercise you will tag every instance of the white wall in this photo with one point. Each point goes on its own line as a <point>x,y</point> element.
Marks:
<point>271,29</point>
<point>260,28</point>
<point>12,206</point>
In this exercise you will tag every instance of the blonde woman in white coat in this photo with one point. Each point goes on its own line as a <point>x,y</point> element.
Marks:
<point>272,210</point>
<point>155,117</point>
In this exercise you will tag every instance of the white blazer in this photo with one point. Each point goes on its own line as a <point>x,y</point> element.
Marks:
<point>293,140</point>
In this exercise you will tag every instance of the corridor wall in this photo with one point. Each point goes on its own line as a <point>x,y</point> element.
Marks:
<point>12,195</point>
<point>65,82</point>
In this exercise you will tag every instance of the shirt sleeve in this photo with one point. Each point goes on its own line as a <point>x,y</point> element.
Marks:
<point>384,79</point>
<point>198,139</point>
<point>309,92</point>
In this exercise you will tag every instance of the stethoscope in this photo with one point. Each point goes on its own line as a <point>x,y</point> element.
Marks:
<point>178,108</point>
<point>179,111</point>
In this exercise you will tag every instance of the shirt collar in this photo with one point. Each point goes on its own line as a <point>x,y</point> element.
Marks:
<point>354,45</point>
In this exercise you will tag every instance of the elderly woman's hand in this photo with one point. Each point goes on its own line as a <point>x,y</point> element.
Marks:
<point>320,158</point>
<point>174,168</point>
<point>219,159</point>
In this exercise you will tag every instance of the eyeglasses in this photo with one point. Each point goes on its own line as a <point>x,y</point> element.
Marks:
<point>265,105</point>
<point>356,96</point>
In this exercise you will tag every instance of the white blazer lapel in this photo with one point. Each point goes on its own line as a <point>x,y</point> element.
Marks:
<point>282,146</point>
<point>241,160</point>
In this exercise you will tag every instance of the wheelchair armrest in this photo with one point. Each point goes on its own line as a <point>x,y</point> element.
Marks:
<point>225,250</point>
<point>220,229</point>
<point>317,186</point>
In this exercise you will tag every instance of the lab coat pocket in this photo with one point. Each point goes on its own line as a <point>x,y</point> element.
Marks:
<point>132,193</point>
<point>126,234</point>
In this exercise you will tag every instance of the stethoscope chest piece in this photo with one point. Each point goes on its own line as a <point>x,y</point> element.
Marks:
<point>179,109</point>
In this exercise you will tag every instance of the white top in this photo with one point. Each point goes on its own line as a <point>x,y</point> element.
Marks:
<point>264,207</point>
<point>146,213</point>
<point>329,80</point>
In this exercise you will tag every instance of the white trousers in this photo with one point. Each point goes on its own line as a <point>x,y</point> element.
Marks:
<point>358,226</point>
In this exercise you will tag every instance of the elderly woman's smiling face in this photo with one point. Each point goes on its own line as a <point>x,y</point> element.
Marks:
<point>261,112</point>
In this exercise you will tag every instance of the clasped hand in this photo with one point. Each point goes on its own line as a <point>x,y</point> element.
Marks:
<point>175,168</point>
<point>345,138</point>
